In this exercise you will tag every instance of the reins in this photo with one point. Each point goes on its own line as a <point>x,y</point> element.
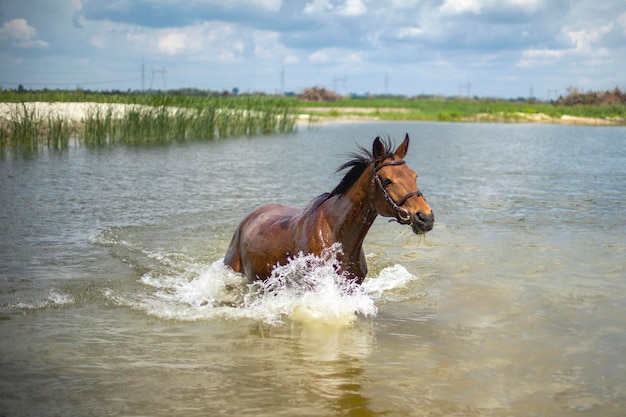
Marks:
<point>402,216</point>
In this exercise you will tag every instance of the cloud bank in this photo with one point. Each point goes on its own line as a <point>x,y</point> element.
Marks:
<point>504,48</point>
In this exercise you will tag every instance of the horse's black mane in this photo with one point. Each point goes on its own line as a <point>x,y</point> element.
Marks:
<point>358,162</point>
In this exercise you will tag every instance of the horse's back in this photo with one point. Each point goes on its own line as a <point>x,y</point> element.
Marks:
<point>264,238</point>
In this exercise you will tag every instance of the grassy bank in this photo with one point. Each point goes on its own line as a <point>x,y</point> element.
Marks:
<point>136,119</point>
<point>113,118</point>
<point>441,109</point>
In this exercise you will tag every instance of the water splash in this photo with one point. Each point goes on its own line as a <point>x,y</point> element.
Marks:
<point>54,299</point>
<point>308,288</point>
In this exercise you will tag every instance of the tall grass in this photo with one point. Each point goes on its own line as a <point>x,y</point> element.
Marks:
<point>143,119</point>
<point>27,129</point>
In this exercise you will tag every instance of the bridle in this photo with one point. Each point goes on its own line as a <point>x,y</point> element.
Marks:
<point>402,216</point>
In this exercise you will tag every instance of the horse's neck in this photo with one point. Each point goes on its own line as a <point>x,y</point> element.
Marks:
<point>354,214</point>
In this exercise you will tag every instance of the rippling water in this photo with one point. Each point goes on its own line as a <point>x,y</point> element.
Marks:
<point>114,300</point>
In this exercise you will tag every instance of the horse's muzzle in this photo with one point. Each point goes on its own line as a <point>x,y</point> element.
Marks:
<point>421,222</point>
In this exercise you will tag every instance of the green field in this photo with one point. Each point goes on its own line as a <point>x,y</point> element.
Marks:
<point>442,109</point>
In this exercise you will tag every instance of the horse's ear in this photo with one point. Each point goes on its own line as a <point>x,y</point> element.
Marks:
<point>378,150</point>
<point>403,148</point>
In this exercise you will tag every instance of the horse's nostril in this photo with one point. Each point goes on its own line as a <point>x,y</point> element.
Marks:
<point>423,222</point>
<point>424,217</point>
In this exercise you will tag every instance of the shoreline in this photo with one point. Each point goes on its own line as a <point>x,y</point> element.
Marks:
<point>358,114</point>
<point>76,112</point>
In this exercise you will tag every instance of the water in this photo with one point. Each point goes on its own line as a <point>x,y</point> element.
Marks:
<point>114,301</point>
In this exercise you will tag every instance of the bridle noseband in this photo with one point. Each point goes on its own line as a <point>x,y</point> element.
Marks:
<point>402,216</point>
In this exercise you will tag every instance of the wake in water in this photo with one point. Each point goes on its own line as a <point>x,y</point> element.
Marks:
<point>177,286</point>
<point>307,289</point>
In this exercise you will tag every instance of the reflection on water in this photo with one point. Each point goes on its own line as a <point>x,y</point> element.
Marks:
<point>113,299</point>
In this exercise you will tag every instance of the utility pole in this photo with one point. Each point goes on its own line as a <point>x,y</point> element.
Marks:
<point>143,76</point>
<point>282,80</point>
<point>162,72</point>
<point>553,91</point>
<point>467,87</point>
<point>336,80</point>
<point>386,83</point>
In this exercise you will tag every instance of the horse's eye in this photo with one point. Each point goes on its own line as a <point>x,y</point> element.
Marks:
<point>387,182</point>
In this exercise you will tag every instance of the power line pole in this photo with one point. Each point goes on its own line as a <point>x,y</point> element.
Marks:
<point>336,80</point>
<point>467,87</point>
<point>282,80</point>
<point>162,72</point>
<point>386,83</point>
<point>143,75</point>
<point>553,91</point>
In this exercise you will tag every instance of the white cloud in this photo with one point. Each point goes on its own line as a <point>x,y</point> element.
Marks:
<point>270,5</point>
<point>317,7</point>
<point>528,6</point>
<point>585,48</point>
<point>622,22</point>
<point>352,58</point>
<point>461,6</point>
<point>352,8</point>
<point>267,46</point>
<point>446,42</point>
<point>320,57</point>
<point>535,57</point>
<point>334,56</point>
<point>409,32</point>
<point>21,35</point>
<point>584,39</point>
<point>172,43</point>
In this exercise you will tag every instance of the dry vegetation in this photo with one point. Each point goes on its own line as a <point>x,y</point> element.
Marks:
<point>316,94</point>
<point>592,98</point>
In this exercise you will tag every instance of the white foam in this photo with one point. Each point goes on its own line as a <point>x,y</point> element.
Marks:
<point>55,298</point>
<point>307,289</point>
<point>390,279</point>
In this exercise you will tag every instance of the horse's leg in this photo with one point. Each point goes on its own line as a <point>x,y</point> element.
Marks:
<point>233,255</point>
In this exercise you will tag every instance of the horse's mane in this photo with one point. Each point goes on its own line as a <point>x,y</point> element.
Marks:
<point>358,162</point>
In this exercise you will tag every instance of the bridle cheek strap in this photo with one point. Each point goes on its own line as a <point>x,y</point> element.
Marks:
<point>402,216</point>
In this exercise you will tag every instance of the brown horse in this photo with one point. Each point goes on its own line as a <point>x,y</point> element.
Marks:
<point>376,183</point>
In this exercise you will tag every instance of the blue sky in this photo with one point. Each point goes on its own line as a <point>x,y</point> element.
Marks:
<point>497,48</point>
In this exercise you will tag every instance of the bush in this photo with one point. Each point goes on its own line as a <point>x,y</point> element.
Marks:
<point>592,98</point>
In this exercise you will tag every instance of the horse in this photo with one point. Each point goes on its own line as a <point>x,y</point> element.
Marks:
<point>376,183</point>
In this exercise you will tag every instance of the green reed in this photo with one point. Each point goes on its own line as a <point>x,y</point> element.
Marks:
<point>144,124</point>
<point>26,129</point>
<point>59,130</point>
<point>147,119</point>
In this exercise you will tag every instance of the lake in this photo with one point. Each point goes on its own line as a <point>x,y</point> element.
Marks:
<point>114,299</point>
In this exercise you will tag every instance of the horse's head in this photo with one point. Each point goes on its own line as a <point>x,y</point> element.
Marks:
<point>395,189</point>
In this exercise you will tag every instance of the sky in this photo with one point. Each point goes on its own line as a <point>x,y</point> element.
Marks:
<point>485,48</point>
